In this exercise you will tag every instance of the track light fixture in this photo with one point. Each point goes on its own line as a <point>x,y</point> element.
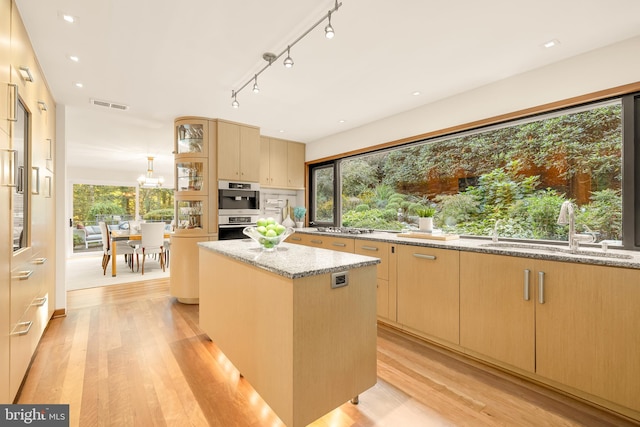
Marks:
<point>235,103</point>
<point>328,30</point>
<point>288,61</point>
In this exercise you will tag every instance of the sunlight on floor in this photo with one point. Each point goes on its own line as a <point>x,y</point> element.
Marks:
<point>85,271</point>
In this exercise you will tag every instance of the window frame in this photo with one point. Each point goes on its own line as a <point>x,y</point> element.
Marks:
<point>630,103</point>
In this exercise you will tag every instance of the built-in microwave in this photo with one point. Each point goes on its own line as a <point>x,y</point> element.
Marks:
<point>238,207</point>
<point>238,198</point>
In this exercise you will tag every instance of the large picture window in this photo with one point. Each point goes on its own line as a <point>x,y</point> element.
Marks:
<point>510,179</point>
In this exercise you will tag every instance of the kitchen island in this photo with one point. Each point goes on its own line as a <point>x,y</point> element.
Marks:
<point>298,323</point>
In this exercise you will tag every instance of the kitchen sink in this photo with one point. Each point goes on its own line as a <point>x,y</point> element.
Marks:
<point>556,249</point>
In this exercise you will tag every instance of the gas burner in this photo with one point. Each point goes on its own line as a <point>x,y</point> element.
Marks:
<point>344,230</point>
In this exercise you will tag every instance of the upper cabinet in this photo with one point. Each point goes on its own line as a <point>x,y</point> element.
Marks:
<point>192,137</point>
<point>281,163</point>
<point>238,152</point>
<point>25,72</point>
<point>5,67</point>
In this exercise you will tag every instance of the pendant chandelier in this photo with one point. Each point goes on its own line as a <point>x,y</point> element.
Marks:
<point>147,180</point>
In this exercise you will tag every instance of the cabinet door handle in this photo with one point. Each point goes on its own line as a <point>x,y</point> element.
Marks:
<point>14,115</point>
<point>526,285</point>
<point>342,245</point>
<point>317,242</point>
<point>297,239</point>
<point>9,173</point>
<point>39,261</point>
<point>39,302</point>
<point>431,257</point>
<point>369,248</point>
<point>25,325</point>
<point>541,287</point>
<point>23,275</point>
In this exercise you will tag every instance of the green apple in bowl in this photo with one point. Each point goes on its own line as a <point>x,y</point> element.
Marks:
<point>268,233</point>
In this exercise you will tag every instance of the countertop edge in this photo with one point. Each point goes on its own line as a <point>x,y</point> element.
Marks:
<point>286,267</point>
<point>477,245</point>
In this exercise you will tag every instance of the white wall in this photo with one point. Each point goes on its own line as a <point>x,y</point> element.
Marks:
<point>600,69</point>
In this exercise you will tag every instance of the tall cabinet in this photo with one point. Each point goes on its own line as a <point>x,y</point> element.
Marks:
<point>27,202</point>
<point>196,216</point>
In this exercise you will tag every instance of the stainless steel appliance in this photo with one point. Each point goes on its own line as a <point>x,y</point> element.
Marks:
<point>238,207</point>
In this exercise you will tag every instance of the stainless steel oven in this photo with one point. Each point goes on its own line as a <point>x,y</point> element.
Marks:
<point>238,207</point>
<point>231,226</point>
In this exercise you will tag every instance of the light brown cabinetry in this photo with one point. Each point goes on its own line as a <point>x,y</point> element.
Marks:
<point>428,291</point>
<point>576,326</point>
<point>342,244</point>
<point>5,65</point>
<point>281,163</point>
<point>27,272</point>
<point>497,308</point>
<point>587,330</point>
<point>5,273</point>
<point>386,299</point>
<point>238,152</point>
<point>196,201</point>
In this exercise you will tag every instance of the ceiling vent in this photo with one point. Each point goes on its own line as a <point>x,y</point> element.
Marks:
<point>108,104</point>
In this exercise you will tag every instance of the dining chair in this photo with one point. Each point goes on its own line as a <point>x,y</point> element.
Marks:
<point>151,242</point>
<point>126,250</point>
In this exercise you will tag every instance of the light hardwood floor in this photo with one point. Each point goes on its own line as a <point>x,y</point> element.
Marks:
<point>130,355</point>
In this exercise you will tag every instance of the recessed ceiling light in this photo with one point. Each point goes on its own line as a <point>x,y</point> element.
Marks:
<point>281,131</point>
<point>74,58</point>
<point>416,93</point>
<point>78,84</point>
<point>552,43</point>
<point>341,121</point>
<point>67,17</point>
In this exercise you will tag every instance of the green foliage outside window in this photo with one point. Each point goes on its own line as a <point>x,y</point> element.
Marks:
<point>522,174</point>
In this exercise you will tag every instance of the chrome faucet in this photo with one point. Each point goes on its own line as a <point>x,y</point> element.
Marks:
<point>494,237</point>
<point>568,216</point>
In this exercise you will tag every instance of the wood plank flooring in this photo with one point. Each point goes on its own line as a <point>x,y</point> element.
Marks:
<point>130,355</point>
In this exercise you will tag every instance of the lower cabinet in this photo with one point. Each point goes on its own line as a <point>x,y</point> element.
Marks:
<point>497,317</point>
<point>428,291</point>
<point>183,277</point>
<point>385,295</point>
<point>573,324</point>
<point>29,316</point>
<point>343,244</point>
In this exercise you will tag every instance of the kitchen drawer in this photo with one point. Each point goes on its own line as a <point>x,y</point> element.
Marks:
<point>377,250</point>
<point>22,333</point>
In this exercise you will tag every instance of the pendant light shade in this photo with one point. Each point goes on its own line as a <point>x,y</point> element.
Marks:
<point>288,61</point>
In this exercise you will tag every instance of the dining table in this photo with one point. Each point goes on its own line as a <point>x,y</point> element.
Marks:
<point>124,235</point>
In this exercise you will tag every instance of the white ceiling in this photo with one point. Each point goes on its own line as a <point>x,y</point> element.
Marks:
<point>167,59</point>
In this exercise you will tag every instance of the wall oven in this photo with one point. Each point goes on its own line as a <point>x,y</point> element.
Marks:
<point>238,207</point>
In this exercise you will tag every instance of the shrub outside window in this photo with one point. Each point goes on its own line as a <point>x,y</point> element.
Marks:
<point>510,179</point>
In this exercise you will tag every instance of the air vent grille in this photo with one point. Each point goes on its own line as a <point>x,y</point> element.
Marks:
<point>108,104</point>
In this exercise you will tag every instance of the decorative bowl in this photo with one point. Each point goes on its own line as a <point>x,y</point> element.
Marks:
<point>267,243</point>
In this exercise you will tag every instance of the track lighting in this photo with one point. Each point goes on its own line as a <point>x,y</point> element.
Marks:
<point>235,103</point>
<point>288,61</point>
<point>328,30</point>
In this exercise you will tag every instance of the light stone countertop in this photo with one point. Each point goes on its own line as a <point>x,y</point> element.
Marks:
<point>585,255</point>
<point>289,260</point>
